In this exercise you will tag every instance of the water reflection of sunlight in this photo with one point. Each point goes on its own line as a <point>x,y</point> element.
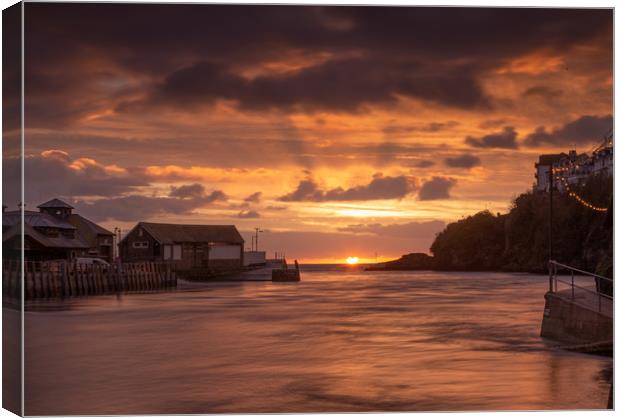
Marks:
<point>342,339</point>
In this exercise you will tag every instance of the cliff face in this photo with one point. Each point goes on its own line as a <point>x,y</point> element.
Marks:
<point>519,239</point>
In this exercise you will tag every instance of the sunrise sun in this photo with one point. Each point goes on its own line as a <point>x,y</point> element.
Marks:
<point>352,260</point>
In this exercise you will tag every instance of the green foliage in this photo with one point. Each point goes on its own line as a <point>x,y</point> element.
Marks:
<point>519,240</point>
<point>473,243</point>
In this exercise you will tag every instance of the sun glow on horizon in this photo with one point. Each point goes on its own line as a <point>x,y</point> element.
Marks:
<point>353,260</point>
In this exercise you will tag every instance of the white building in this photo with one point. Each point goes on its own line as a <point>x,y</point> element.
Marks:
<point>603,161</point>
<point>543,166</point>
<point>254,258</point>
<point>573,168</point>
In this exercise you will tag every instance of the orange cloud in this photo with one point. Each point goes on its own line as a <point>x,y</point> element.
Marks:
<point>536,63</point>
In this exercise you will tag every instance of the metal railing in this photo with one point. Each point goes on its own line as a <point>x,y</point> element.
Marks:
<point>599,281</point>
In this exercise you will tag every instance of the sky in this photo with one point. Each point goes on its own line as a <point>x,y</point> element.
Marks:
<point>339,131</point>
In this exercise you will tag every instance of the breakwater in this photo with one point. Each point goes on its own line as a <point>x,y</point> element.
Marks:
<point>581,310</point>
<point>60,279</point>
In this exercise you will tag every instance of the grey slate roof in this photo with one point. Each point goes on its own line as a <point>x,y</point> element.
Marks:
<point>171,233</point>
<point>47,241</point>
<point>36,219</point>
<point>55,203</point>
<point>88,230</point>
<point>85,231</point>
<point>87,226</point>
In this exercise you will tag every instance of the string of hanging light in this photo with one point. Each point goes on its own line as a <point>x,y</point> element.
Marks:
<point>572,193</point>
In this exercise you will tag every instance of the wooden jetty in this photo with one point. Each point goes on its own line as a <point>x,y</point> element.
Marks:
<point>59,279</point>
<point>286,274</point>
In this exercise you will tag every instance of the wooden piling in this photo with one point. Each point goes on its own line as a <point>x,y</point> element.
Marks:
<point>6,277</point>
<point>27,288</point>
<point>52,279</point>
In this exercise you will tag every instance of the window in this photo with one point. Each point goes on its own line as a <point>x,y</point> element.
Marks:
<point>140,232</point>
<point>173,252</point>
<point>140,244</point>
<point>51,232</point>
<point>176,252</point>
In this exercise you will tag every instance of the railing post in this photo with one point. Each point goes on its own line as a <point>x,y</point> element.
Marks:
<point>550,265</point>
<point>572,283</point>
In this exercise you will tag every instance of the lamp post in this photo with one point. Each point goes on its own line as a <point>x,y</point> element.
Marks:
<point>550,226</point>
<point>117,236</point>
<point>256,237</point>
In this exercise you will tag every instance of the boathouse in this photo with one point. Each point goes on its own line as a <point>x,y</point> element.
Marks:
<point>54,233</point>
<point>186,247</point>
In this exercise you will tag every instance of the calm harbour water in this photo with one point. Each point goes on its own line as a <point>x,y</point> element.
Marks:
<point>340,340</point>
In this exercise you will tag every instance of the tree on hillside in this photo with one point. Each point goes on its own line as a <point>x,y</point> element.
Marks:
<point>473,243</point>
<point>519,240</point>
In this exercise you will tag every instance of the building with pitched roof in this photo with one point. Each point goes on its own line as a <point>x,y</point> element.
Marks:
<point>55,232</point>
<point>186,247</point>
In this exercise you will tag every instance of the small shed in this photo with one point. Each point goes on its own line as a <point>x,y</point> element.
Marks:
<point>186,247</point>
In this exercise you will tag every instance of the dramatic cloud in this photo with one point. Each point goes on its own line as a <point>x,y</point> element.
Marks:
<point>436,188</point>
<point>54,173</point>
<point>197,192</point>
<point>422,164</point>
<point>406,230</point>
<point>463,161</point>
<point>181,201</point>
<point>253,198</point>
<point>214,196</point>
<point>383,153</point>
<point>306,190</point>
<point>542,91</point>
<point>111,190</point>
<point>505,139</point>
<point>248,214</point>
<point>327,86</point>
<point>430,127</point>
<point>492,123</point>
<point>284,57</point>
<point>187,191</point>
<point>584,130</point>
<point>136,207</point>
<point>276,208</point>
<point>379,188</point>
<point>155,114</point>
